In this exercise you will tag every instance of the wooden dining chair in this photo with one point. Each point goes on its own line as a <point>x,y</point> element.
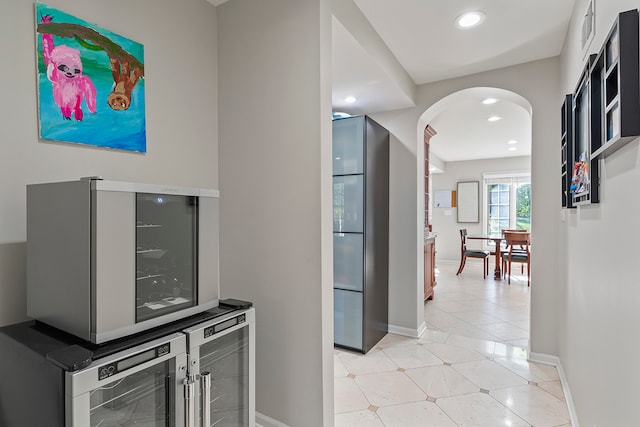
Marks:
<point>518,243</point>
<point>517,250</point>
<point>471,253</point>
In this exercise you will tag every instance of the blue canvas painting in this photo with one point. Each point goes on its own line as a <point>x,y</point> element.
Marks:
<point>90,83</point>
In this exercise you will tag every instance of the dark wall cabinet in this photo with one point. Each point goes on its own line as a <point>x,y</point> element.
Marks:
<point>360,232</point>
<point>566,149</point>
<point>585,174</point>
<point>616,69</point>
<point>605,111</point>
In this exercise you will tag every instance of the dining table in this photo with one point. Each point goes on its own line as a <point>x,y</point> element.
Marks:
<point>497,239</point>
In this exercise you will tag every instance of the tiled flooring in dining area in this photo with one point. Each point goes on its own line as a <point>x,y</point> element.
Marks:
<point>468,369</point>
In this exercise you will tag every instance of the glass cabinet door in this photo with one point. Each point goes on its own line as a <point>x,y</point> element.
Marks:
<point>227,359</point>
<point>166,254</point>
<point>347,318</point>
<point>348,146</point>
<point>348,261</point>
<point>348,203</point>
<point>144,398</point>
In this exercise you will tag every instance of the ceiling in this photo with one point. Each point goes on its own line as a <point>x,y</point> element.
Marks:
<point>422,37</point>
<point>419,38</point>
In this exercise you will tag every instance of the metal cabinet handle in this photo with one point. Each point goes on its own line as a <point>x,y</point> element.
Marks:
<point>190,403</point>
<point>205,393</point>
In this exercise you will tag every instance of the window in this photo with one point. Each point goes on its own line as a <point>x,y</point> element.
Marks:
<point>508,201</point>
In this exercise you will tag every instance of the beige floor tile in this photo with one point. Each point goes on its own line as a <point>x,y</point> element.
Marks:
<point>486,347</point>
<point>505,331</point>
<point>391,340</point>
<point>339,369</point>
<point>534,405</point>
<point>530,371</point>
<point>374,361</point>
<point>441,381</point>
<point>414,356</point>
<point>452,353</point>
<point>522,324</point>
<point>524,342</point>
<point>418,414</point>
<point>471,331</point>
<point>363,418</point>
<point>507,350</point>
<point>440,320</point>
<point>553,387</point>
<point>348,396</point>
<point>488,375</point>
<point>389,388</point>
<point>479,410</point>
<point>432,335</point>
<point>452,307</point>
<point>477,317</point>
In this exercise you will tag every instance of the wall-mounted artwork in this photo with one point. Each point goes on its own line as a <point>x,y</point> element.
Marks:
<point>90,83</point>
<point>468,201</point>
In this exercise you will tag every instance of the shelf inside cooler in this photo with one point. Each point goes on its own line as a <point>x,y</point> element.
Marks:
<point>150,276</point>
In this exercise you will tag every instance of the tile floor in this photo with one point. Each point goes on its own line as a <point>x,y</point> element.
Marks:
<point>469,368</point>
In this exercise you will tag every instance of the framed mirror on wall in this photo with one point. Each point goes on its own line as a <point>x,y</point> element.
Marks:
<point>468,202</point>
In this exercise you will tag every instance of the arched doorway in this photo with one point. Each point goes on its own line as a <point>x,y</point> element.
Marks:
<point>474,141</point>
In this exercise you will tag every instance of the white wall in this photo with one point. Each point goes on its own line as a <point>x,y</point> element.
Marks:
<point>275,170</point>
<point>599,287</point>
<point>180,86</point>
<point>447,226</point>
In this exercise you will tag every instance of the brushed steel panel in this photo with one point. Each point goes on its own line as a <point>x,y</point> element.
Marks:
<point>58,252</point>
<point>113,265</point>
<point>208,248</point>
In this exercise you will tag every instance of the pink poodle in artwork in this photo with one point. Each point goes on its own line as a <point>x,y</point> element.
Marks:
<point>64,70</point>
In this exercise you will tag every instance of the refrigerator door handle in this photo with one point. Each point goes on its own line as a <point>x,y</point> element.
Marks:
<point>189,400</point>
<point>205,388</point>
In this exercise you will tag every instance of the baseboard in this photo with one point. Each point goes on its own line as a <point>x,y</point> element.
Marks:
<point>547,359</point>
<point>264,421</point>
<point>408,332</point>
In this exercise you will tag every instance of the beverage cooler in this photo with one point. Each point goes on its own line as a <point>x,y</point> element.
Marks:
<point>107,259</point>
<point>194,372</point>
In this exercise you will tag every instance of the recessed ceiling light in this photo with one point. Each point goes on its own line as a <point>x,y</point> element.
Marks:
<point>469,19</point>
<point>512,148</point>
<point>494,118</point>
<point>513,141</point>
<point>350,99</point>
<point>490,101</point>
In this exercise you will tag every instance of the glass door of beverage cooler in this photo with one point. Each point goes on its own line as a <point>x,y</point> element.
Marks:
<point>166,254</point>
<point>141,386</point>
<point>222,357</point>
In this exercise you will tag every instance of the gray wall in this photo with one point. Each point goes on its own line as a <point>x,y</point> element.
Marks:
<point>447,226</point>
<point>275,170</point>
<point>599,290</point>
<point>180,86</point>
<point>406,312</point>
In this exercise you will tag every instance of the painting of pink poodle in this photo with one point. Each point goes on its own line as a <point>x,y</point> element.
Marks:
<point>90,83</point>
